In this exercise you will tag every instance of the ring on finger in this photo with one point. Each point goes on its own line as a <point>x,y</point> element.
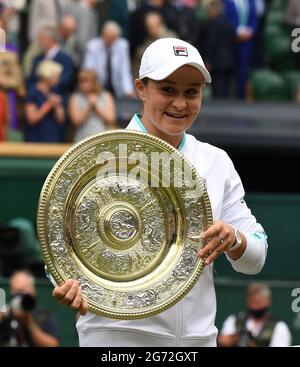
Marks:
<point>221,240</point>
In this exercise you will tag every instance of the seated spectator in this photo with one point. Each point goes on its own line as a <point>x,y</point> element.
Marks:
<point>45,114</point>
<point>49,42</point>
<point>92,109</point>
<point>255,327</point>
<point>25,324</point>
<point>109,57</point>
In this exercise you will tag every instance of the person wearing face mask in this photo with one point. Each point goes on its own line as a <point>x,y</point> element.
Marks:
<point>256,326</point>
<point>25,323</point>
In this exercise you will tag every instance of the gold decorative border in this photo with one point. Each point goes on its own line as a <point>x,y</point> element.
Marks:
<point>88,142</point>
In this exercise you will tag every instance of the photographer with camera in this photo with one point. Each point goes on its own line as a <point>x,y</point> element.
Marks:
<point>255,327</point>
<point>24,324</point>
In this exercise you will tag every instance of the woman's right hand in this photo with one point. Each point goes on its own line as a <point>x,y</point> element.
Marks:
<point>93,98</point>
<point>70,294</point>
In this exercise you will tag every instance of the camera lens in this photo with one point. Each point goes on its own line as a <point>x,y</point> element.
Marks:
<point>28,302</point>
<point>23,302</point>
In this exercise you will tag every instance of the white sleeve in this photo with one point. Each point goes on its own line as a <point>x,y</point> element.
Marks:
<point>281,335</point>
<point>89,60</point>
<point>229,327</point>
<point>127,79</point>
<point>49,276</point>
<point>253,259</point>
<point>236,213</point>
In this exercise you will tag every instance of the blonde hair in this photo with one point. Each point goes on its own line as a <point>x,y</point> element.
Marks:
<point>48,69</point>
<point>92,76</point>
<point>258,287</point>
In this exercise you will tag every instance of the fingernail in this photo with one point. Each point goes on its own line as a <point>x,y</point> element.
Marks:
<point>206,262</point>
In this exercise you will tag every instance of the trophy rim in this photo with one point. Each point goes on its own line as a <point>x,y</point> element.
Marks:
<point>41,221</point>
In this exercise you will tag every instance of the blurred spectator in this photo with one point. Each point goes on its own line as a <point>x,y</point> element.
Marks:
<point>156,29</point>
<point>67,32</point>
<point>292,14</point>
<point>3,116</point>
<point>45,13</point>
<point>31,52</point>
<point>11,80</point>
<point>88,23</point>
<point>25,324</point>
<point>45,114</point>
<point>11,13</point>
<point>49,43</point>
<point>242,15</point>
<point>109,57</point>
<point>137,30</point>
<point>258,61</point>
<point>67,39</point>
<point>187,22</point>
<point>255,327</point>
<point>217,44</point>
<point>91,109</point>
<point>188,3</point>
<point>120,11</point>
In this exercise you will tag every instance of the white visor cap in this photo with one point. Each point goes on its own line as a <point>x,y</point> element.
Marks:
<point>166,55</point>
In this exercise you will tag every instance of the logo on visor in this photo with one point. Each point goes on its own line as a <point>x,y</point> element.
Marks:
<point>180,51</point>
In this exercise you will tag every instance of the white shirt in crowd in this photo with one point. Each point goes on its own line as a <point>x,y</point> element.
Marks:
<point>281,335</point>
<point>96,59</point>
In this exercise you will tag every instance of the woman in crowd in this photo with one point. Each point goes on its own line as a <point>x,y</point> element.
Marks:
<point>91,109</point>
<point>44,110</point>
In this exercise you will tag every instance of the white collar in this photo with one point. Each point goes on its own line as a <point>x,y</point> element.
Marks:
<point>53,52</point>
<point>136,124</point>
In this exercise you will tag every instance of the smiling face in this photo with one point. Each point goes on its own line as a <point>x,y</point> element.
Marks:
<point>170,106</point>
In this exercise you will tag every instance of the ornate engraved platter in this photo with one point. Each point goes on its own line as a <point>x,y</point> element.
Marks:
<point>122,212</point>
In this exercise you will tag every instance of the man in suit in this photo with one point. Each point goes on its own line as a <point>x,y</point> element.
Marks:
<point>49,42</point>
<point>109,57</point>
<point>243,18</point>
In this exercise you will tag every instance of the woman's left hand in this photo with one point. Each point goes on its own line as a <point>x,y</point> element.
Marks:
<point>220,237</point>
